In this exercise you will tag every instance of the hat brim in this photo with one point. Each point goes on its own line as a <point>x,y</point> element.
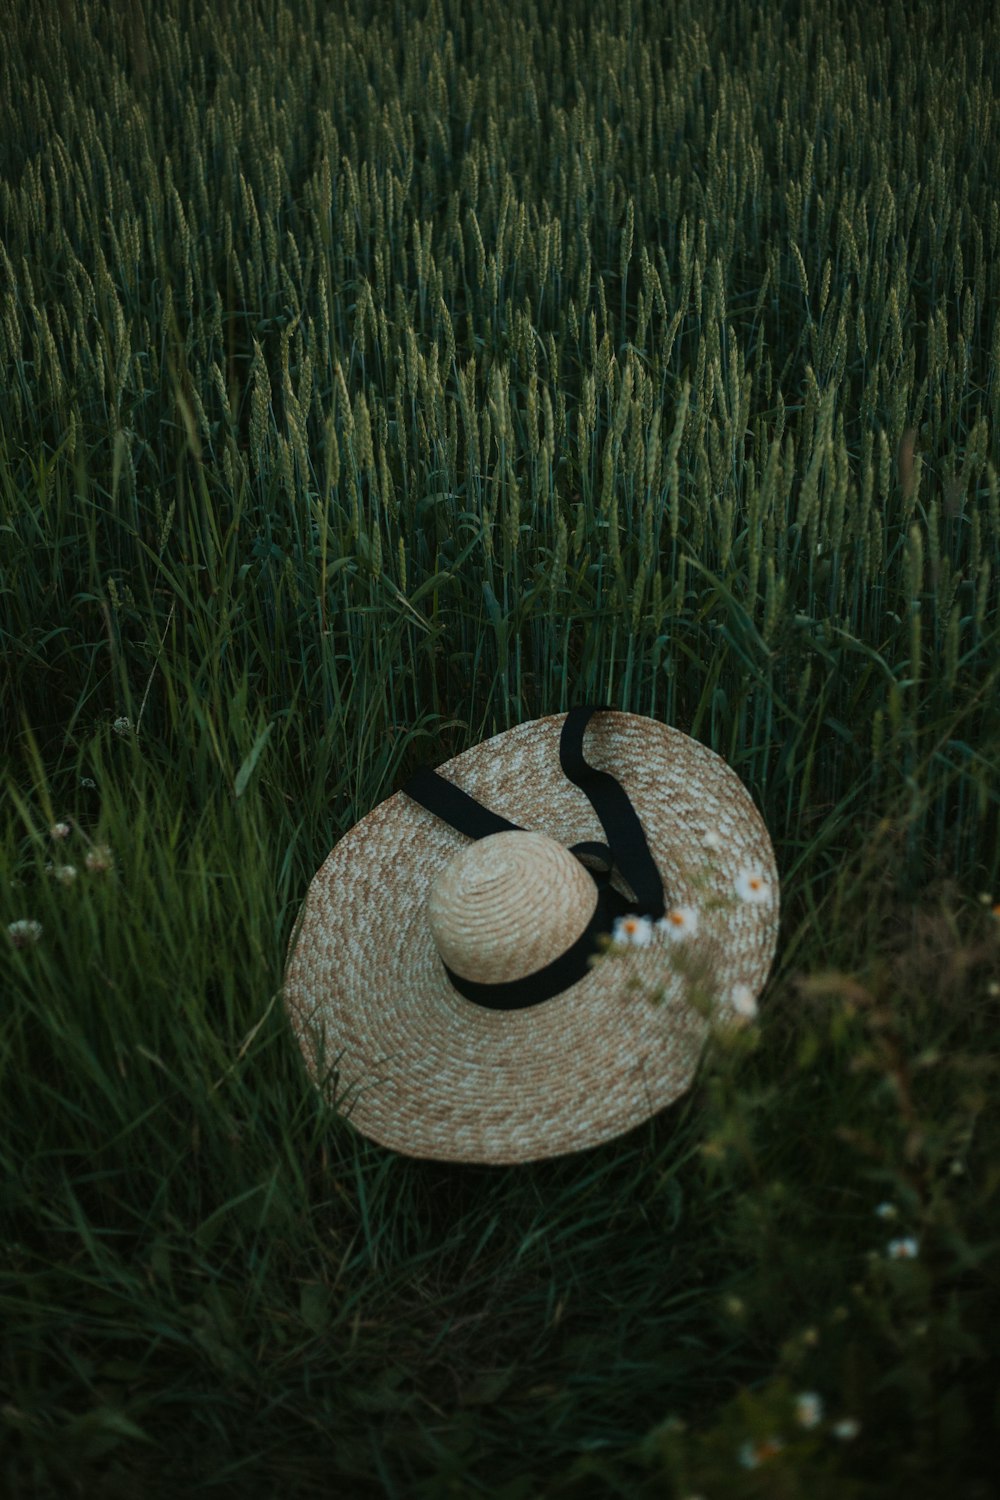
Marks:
<point>419,1068</point>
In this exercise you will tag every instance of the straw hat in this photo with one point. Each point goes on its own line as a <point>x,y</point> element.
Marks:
<point>447,977</point>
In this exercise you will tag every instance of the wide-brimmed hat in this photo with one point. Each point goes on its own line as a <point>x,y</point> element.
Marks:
<point>447,977</point>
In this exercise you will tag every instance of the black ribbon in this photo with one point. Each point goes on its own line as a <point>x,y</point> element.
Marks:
<point>626,850</point>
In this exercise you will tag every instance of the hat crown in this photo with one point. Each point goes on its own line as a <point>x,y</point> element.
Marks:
<point>507,905</point>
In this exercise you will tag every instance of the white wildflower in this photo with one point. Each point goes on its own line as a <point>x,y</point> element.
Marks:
<point>25,932</point>
<point>846,1429</point>
<point>743,1000</point>
<point>904,1249</point>
<point>679,922</point>
<point>754,886</point>
<point>60,831</point>
<point>99,859</point>
<point>808,1409</point>
<point>635,930</point>
<point>752,1455</point>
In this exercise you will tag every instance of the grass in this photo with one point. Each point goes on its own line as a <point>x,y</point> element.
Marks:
<point>376,378</point>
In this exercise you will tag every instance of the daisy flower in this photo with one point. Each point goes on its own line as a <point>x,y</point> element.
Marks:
<point>636,930</point>
<point>743,1000</point>
<point>808,1409</point>
<point>679,922</point>
<point>753,885</point>
<point>23,933</point>
<point>752,1455</point>
<point>904,1249</point>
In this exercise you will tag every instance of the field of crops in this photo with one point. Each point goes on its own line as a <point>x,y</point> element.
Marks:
<point>376,377</point>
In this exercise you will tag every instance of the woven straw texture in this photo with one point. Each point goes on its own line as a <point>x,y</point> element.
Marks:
<point>419,1068</point>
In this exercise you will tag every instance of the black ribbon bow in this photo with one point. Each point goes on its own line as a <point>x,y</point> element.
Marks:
<point>626,849</point>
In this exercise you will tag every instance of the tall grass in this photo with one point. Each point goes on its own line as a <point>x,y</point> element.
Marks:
<point>376,377</point>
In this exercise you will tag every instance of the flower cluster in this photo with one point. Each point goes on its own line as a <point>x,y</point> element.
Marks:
<point>98,860</point>
<point>904,1246</point>
<point>680,923</point>
<point>24,933</point>
<point>808,1410</point>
